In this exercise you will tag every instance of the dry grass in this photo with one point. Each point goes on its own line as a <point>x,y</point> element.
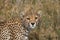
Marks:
<point>50,16</point>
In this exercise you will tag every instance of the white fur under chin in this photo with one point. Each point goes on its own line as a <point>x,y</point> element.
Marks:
<point>33,26</point>
<point>26,38</point>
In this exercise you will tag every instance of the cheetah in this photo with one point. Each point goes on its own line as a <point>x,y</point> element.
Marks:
<point>19,28</point>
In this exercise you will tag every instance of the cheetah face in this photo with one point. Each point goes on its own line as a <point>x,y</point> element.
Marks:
<point>31,20</point>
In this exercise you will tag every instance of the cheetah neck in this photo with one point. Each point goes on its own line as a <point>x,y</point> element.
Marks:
<point>26,34</point>
<point>27,31</point>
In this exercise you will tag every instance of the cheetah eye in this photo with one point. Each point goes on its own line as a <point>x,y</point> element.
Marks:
<point>35,17</point>
<point>28,18</point>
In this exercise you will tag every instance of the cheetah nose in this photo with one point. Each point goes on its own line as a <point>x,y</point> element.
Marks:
<point>32,23</point>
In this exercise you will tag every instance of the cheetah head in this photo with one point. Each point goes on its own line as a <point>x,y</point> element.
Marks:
<point>30,20</point>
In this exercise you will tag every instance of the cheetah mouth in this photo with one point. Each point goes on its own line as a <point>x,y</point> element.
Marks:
<point>32,26</point>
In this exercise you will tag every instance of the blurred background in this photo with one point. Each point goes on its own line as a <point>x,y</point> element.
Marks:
<point>50,16</point>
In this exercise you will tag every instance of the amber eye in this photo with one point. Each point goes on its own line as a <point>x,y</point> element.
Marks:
<point>35,17</point>
<point>28,18</point>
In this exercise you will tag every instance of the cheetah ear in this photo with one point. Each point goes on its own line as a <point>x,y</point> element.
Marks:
<point>22,15</point>
<point>40,13</point>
